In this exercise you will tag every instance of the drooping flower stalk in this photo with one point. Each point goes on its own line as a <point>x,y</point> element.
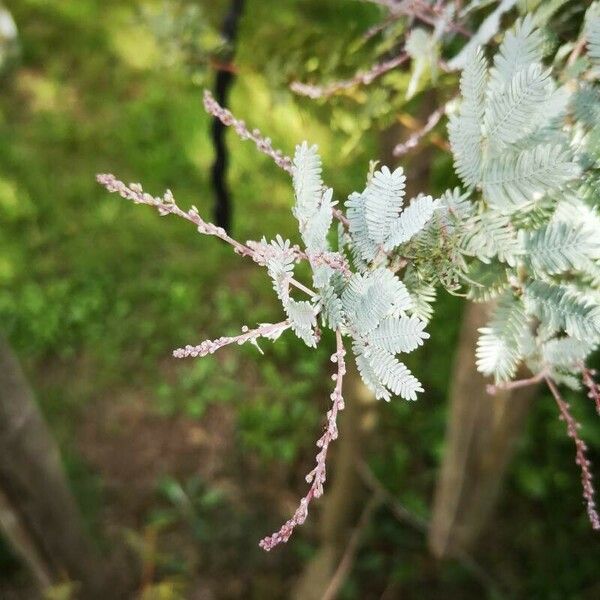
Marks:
<point>580,454</point>
<point>166,205</point>
<point>318,475</point>
<point>592,386</point>
<point>263,143</point>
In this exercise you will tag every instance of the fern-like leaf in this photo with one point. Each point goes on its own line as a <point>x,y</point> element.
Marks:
<point>411,220</point>
<point>592,32</point>
<point>487,281</point>
<point>491,234</point>
<point>513,182</point>
<point>559,247</point>
<point>499,348</point>
<point>306,176</point>
<point>314,233</point>
<point>363,247</point>
<point>473,82</point>
<point>465,135</point>
<point>512,110</point>
<point>367,373</point>
<point>465,129</point>
<point>455,207</point>
<point>393,374</point>
<point>562,308</point>
<point>566,352</point>
<point>280,260</point>
<point>384,196</point>
<point>368,298</point>
<point>403,334</point>
<point>303,320</point>
<point>332,311</point>
<point>518,49</point>
<point>585,104</point>
<point>423,296</point>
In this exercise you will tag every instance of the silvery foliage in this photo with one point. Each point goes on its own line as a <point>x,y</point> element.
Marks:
<point>369,304</point>
<point>527,148</point>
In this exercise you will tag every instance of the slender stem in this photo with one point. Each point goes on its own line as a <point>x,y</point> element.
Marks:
<point>580,454</point>
<point>266,330</point>
<point>167,206</point>
<point>317,476</point>
<point>262,143</point>
<point>417,136</point>
<point>493,389</point>
<point>360,78</point>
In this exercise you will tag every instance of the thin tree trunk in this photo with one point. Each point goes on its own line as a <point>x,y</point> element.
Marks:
<point>480,440</point>
<point>38,514</point>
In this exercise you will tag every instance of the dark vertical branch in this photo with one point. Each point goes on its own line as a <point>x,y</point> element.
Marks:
<point>223,82</point>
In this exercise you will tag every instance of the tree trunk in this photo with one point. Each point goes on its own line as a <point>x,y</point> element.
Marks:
<point>38,514</point>
<point>480,440</point>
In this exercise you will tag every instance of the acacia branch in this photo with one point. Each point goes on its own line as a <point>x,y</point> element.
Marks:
<point>166,205</point>
<point>360,78</point>
<point>493,389</point>
<point>417,136</point>
<point>262,143</point>
<point>266,330</point>
<point>580,454</point>
<point>318,475</point>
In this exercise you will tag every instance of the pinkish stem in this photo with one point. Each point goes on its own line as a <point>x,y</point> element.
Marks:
<point>360,78</point>
<point>261,142</point>
<point>167,205</point>
<point>318,475</point>
<point>266,330</point>
<point>493,389</point>
<point>417,136</point>
<point>580,454</point>
<point>592,386</point>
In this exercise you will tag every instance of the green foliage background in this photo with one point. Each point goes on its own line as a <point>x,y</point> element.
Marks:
<point>94,294</point>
